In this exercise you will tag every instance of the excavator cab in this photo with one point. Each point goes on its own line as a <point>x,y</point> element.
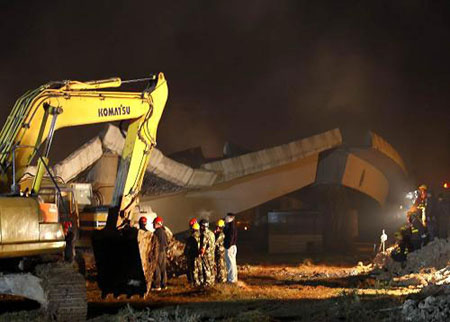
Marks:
<point>58,206</point>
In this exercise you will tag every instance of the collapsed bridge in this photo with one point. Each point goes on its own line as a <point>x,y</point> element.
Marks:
<point>317,172</point>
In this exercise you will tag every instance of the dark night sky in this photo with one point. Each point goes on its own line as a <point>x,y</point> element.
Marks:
<point>259,73</point>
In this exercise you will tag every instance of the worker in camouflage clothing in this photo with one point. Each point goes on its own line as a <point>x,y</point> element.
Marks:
<point>192,253</point>
<point>221,268</point>
<point>207,248</point>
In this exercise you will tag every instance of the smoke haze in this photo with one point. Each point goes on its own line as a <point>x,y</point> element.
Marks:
<point>258,73</point>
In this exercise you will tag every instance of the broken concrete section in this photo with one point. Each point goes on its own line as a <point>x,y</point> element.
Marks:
<point>159,164</point>
<point>25,285</point>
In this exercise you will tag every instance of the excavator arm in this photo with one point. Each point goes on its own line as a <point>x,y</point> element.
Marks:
<point>28,132</point>
<point>121,254</point>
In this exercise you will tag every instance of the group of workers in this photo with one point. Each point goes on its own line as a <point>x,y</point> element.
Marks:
<point>210,256</point>
<point>427,219</point>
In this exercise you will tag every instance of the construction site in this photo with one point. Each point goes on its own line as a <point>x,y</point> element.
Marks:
<point>308,249</point>
<point>257,161</point>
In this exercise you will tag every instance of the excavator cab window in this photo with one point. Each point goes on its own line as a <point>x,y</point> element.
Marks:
<point>47,195</point>
<point>54,207</point>
<point>48,206</point>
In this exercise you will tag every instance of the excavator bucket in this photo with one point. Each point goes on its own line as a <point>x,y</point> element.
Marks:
<point>124,259</point>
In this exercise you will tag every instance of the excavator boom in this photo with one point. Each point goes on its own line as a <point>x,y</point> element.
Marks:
<point>28,132</point>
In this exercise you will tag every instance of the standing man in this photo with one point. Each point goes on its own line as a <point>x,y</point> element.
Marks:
<point>219,255</point>
<point>230,242</point>
<point>160,278</point>
<point>422,203</point>
<point>191,251</point>
<point>207,247</point>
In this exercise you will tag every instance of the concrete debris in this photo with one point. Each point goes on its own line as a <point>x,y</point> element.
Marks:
<point>427,270</point>
<point>176,261</point>
<point>154,186</point>
<point>410,280</point>
<point>430,309</point>
<point>433,301</point>
<point>361,269</point>
<point>26,285</point>
<point>435,254</point>
<point>442,277</point>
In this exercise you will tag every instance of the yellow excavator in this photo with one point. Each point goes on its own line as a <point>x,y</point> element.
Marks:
<point>32,236</point>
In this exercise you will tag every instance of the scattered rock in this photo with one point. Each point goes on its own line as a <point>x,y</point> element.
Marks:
<point>430,309</point>
<point>435,254</point>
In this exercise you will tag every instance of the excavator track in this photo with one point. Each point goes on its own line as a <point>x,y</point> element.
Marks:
<point>65,290</point>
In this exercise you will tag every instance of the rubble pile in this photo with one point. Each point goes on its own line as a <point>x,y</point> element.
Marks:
<point>433,301</point>
<point>176,261</point>
<point>432,308</point>
<point>428,270</point>
<point>435,254</point>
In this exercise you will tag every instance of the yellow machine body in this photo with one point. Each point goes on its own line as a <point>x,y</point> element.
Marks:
<point>24,231</point>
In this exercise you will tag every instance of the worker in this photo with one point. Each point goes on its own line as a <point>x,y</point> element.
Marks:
<point>143,223</point>
<point>421,202</point>
<point>219,253</point>
<point>403,240</point>
<point>192,252</point>
<point>192,222</point>
<point>191,249</point>
<point>230,244</point>
<point>69,237</point>
<point>207,248</point>
<point>188,233</point>
<point>418,231</point>
<point>160,278</point>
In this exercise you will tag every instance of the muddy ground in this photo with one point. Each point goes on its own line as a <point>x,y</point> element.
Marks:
<point>286,288</point>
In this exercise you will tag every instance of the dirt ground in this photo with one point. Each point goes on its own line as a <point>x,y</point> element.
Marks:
<point>292,289</point>
<point>270,288</point>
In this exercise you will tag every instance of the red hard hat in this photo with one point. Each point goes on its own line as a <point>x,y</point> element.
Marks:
<point>157,220</point>
<point>192,222</point>
<point>143,220</point>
